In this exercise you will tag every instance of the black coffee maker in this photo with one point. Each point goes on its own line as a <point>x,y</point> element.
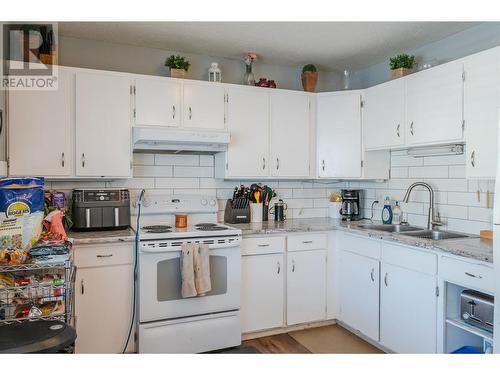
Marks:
<point>351,205</point>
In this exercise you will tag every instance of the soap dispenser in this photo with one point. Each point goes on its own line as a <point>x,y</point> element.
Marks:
<point>397,214</point>
<point>387,212</point>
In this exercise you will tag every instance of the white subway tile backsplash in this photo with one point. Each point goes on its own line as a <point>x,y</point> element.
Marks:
<point>182,171</point>
<point>171,159</point>
<point>177,183</point>
<point>153,171</point>
<point>309,193</point>
<point>428,172</point>
<point>455,197</point>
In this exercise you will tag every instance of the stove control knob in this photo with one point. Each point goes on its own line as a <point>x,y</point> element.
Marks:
<point>213,202</point>
<point>204,202</point>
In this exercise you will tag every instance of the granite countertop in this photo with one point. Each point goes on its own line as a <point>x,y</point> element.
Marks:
<point>471,247</point>
<point>109,236</point>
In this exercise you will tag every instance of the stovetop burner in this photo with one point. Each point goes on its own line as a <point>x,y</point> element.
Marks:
<point>206,225</point>
<point>210,228</point>
<point>157,228</point>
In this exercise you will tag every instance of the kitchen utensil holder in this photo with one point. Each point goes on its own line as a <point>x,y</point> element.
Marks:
<point>256,211</point>
<point>237,211</point>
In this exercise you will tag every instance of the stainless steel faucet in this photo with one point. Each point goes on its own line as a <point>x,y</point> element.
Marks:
<point>430,218</point>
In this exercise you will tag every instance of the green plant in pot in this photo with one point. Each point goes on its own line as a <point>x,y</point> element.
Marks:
<point>401,65</point>
<point>178,66</point>
<point>309,77</point>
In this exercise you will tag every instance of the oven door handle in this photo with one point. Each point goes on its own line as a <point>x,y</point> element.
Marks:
<point>169,249</point>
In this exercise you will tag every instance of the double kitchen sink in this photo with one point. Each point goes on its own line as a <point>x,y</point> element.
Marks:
<point>411,231</point>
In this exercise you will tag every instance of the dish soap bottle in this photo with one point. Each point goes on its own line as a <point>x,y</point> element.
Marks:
<point>387,212</point>
<point>397,214</point>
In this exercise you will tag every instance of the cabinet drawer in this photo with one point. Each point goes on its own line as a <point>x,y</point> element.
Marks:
<point>409,258</point>
<point>262,245</point>
<point>306,242</point>
<point>103,255</point>
<point>471,275</point>
<point>360,245</point>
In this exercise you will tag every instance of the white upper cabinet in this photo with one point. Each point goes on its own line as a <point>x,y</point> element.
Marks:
<point>384,115</point>
<point>203,106</point>
<point>434,105</point>
<point>248,122</point>
<point>290,134</point>
<point>481,105</point>
<point>103,131</point>
<point>339,151</point>
<point>40,130</point>
<point>157,102</point>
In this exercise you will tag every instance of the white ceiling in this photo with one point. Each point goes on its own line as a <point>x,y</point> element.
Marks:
<point>332,46</point>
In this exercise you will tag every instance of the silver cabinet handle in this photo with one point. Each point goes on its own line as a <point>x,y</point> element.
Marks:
<point>279,268</point>
<point>385,279</point>
<point>473,159</point>
<point>372,274</point>
<point>82,287</point>
<point>307,241</point>
<point>263,163</point>
<point>63,159</point>
<point>263,245</point>
<point>277,163</point>
<point>190,113</point>
<point>293,266</point>
<point>323,165</point>
<point>83,160</point>
<point>173,111</point>
<point>411,128</point>
<point>397,131</point>
<point>1,121</point>
<point>104,256</point>
<point>474,276</point>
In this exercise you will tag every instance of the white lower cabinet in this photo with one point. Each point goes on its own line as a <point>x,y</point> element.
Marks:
<point>408,310</point>
<point>262,295</point>
<point>103,298</point>
<point>359,293</point>
<point>306,286</point>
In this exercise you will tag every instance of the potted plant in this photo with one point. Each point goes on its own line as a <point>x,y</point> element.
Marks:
<point>178,66</point>
<point>401,65</point>
<point>309,77</point>
<point>334,204</point>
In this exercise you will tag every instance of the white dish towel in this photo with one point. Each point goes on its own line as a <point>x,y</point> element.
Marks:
<point>202,269</point>
<point>187,271</point>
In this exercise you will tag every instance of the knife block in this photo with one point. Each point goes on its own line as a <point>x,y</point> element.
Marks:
<point>237,214</point>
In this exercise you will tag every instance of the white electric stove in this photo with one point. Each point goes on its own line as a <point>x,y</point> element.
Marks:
<point>169,323</point>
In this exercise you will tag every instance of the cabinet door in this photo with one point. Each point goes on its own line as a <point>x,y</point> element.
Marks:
<point>306,286</point>
<point>262,292</point>
<point>40,130</point>
<point>103,131</point>
<point>383,115</point>
<point>339,135</point>
<point>203,106</point>
<point>434,105</point>
<point>408,310</point>
<point>248,120</point>
<point>103,304</point>
<point>290,135</point>
<point>359,293</point>
<point>157,102</point>
<point>481,103</point>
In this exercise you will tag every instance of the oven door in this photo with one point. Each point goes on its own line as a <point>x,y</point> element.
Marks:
<point>160,282</point>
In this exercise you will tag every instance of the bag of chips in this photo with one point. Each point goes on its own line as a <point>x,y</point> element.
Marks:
<point>21,212</point>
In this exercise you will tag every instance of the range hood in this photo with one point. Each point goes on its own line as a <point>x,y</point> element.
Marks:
<point>178,140</point>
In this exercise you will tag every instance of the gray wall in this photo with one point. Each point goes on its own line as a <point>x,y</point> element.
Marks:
<point>92,54</point>
<point>467,42</point>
